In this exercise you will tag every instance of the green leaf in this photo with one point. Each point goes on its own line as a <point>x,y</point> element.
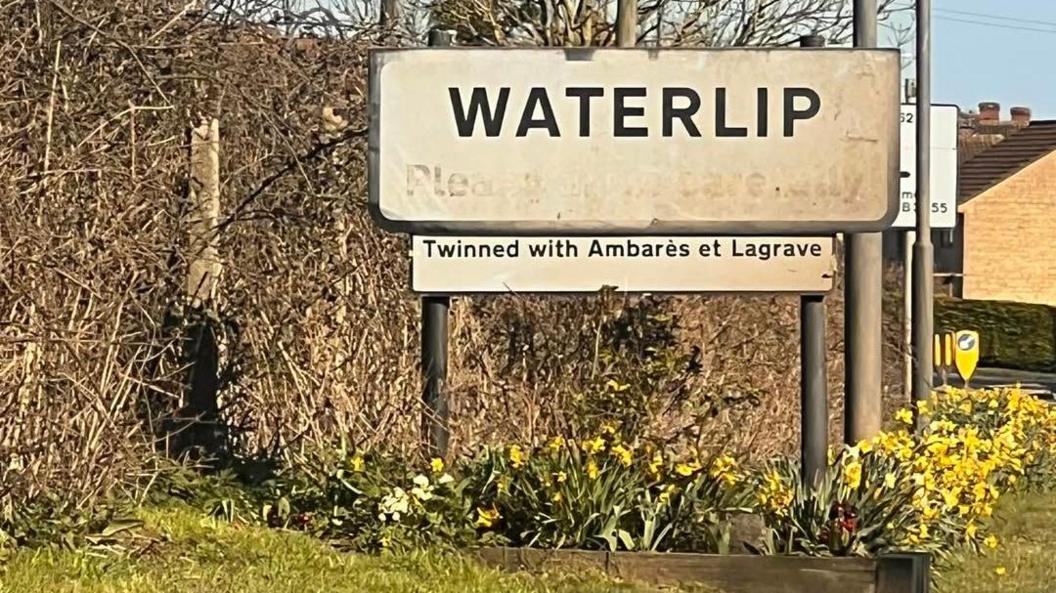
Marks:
<point>119,525</point>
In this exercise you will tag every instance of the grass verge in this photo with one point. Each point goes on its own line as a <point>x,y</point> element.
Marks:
<point>177,550</point>
<point>1025,525</point>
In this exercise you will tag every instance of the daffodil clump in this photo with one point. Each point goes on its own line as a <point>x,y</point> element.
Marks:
<point>605,493</point>
<point>934,492</point>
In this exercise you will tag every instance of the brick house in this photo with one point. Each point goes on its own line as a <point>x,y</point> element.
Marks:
<point>1004,245</point>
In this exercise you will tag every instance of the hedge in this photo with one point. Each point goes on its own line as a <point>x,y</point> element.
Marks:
<point>1011,335</point>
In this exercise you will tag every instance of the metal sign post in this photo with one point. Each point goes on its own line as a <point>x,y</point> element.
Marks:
<point>435,310</point>
<point>863,290</point>
<point>813,383</point>
<point>943,213</point>
<point>923,256</point>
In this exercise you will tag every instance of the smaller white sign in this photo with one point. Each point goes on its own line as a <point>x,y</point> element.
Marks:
<point>452,265</point>
<point>943,167</point>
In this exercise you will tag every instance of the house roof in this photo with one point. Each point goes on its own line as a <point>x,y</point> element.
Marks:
<point>1006,158</point>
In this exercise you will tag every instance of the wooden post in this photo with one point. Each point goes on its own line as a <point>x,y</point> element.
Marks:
<point>202,409</point>
<point>203,261</point>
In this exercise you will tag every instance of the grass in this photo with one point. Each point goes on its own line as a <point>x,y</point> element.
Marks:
<point>177,550</point>
<point>1025,525</point>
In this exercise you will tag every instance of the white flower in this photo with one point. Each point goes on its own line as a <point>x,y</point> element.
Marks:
<point>421,481</point>
<point>445,479</point>
<point>395,503</point>
<point>421,494</point>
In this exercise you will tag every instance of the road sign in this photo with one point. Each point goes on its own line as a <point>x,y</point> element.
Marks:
<point>943,354</point>
<point>633,141</point>
<point>455,265</point>
<point>943,351</point>
<point>943,167</point>
<point>966,353</point>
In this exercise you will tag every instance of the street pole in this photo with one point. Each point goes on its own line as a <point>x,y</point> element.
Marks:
<point>626,23</point>
<point>813,384</point>
<point>813,388</point>
<point>923,257</point>
<point>863,290</point>
<point>907,288</point>
<point>907,313</point>
<point>435,413</point>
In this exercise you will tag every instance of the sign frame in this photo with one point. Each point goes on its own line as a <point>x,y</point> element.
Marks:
<point>604,229</point>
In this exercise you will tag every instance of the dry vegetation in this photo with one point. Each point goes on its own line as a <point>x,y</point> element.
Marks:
<point>313,332</point>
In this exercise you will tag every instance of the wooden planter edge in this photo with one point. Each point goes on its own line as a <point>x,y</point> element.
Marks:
<point>896,573</point>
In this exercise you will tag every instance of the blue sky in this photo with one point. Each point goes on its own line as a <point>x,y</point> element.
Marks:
<point>981,58</point>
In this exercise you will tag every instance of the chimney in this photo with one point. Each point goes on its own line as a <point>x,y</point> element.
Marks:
<point>1021,116</point>
<point>989,112</point>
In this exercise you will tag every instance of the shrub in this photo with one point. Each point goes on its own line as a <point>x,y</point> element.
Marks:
<point>1012,335</point>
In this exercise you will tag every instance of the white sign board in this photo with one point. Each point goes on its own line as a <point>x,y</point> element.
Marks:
<point>633,141</point>
<point>456,265</point>
<point>943,167</point>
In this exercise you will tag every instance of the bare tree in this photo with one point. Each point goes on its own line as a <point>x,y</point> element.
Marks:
<point>706,23</point>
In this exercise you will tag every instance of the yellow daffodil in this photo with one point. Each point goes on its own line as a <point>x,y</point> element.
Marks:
<point>592,470</point>
<point>622,454</point>
<point>437,465</point>
<point>687,469</point>
<point>357,464</point>
<point>595,445</point>
<point>656,464</point>
<point>990,541</point>
<point>560,477</point>
<point>1000,571</point>
<point>487,518</point>
<point>852,474</point>
<point>665,494</point>
<point>890,480</point>
<point>517,456</point>
<point>555,444</point>
<point>904,416</point>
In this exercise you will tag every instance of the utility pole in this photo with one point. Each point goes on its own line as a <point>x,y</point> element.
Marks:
<point>923,256</point>
<point>813,383</point>
<point>435,309</point>
<point>863,290</point>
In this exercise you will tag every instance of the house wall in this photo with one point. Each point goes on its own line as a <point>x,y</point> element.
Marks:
<point>1010,238</point>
